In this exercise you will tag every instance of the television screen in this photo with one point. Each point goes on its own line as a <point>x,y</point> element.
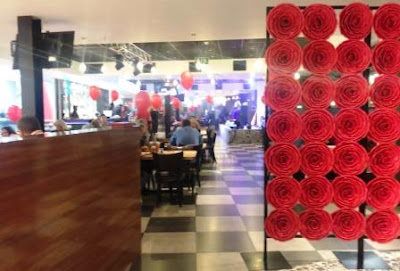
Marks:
<point>59,46</point>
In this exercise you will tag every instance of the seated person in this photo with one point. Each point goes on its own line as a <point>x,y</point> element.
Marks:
<point>94,123</point>
<point>145,139</point>
<point>29,126</point>
<point>186,135</point>
<point>60,126</point>
<point>7,131</point>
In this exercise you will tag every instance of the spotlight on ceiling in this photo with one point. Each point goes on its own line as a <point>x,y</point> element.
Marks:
<point>149,68</point>
<point>136,71</point>
<point>82,67</point>
<point>119,62</point>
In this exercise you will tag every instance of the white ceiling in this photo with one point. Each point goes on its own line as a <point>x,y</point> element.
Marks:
<point>107,21</point>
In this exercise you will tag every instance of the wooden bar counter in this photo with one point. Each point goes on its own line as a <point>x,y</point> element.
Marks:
<point>70,202</point>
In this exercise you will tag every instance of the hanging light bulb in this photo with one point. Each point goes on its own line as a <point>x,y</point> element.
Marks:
<point>82,67</point>
<point>103,69</point>
<point>140,65</point>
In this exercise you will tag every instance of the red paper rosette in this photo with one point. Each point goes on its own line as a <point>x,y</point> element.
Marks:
<point>318,92</point>
<point>315,224</point>
<point>383,193</point>
<point>387,21</point>
<point>349,191</point>
<point>319,21</point>
<point>282,159</point>
<point>319,57</point>
<point>317,125</point>
<point>354,56</point>
<point>283,192</point>
<point>284,56</point>
<point>350,158</point>
<point>351,124</point>
<point>385,92</point>
<point>384,125</point>
<point>316,192</point>
<point>383,226</point>
<point>385,160</point>
<point>316,159</point>
<point>386,57</point>
<point>285,21</point>
<point>283,93</point>
<point>284,126</point>
<point>356,21</point>
<point>282,224</point>
<point>348,224</point>
<point>351,91</point>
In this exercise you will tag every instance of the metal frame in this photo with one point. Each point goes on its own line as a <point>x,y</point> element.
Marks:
<point>130,52</point>
<point>365,144</point>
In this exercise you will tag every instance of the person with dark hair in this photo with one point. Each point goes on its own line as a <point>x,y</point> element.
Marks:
<point>7,131</point>
<point>103,121</point>
<point>186,135</point>
<point>74,114</point>
<point>29,126</point>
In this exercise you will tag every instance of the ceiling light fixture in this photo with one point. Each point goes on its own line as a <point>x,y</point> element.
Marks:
<point>82,67</point>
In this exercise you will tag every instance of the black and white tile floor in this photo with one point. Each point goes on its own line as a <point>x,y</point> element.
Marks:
<point>222,227</point>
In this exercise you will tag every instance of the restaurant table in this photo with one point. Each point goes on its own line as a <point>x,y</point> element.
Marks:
<point>188,155</point>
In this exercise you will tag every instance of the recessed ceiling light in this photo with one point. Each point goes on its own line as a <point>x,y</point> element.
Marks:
<point>206,43</point>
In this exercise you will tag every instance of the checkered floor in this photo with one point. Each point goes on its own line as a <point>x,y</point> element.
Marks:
<point>222,227</point>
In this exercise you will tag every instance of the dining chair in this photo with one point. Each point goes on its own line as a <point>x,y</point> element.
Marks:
<point>169,174</point>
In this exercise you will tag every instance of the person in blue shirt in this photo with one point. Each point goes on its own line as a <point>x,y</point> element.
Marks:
<point>185,135</point>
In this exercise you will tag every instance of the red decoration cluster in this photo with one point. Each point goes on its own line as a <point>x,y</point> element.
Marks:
<point>383,193</point>
<point>318,92</point>
<point>354,56</point>
<point>282,224</point>
<point>385,92</point>
<point>315,224</point>
<point>283,192</point>
<point>316,192</point>
<point>285,21</point>
<point>386,57</point>
<point>316,126</point>
<point>384,125</point>
<point>383,226</point>
<point>351,91</point>
<point>282,159</point>
<point>349,191</point>
<point>348,224</point>
<point>319,57</point>
<point>319,21</point>
<point>284,126</point>
<point>284,56</point>
<point>316,159</point>
<point>387,21</point>
<point>385,160</point>
<point>350,158</point>
<point>356,21</point>
<point>351,125</point>
<point>283,93</point>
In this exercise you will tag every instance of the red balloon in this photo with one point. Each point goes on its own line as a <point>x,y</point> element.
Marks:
<point>114,95</point>
<point>143,114</point>
<point>176,103</point>
<point>94,92</point>
<point>14,113</point>
<point>156,101</point>
<point>143,101</point>
<point>209,99</point>
<point>187,80</point>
